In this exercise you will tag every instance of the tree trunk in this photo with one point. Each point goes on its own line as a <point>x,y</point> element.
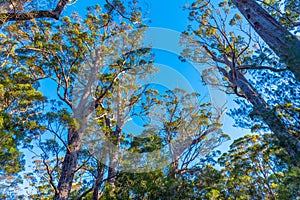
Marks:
<point>69,165</point>
<point>116,135</point>
<point>114,159</point>
<point>287,140</point>
<point>280,40</point>
<point>173,175</point>
<point>98,181</point>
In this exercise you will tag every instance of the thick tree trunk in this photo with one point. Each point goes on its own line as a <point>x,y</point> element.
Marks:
<point>287,140</point>
<point>69,165</point>
<point>280,40</point>
<point>81,113</point>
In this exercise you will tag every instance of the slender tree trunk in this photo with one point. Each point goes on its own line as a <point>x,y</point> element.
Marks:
<point>173,175</point>
<point>114,156</point>
<point>175,155</point>
<point>287,140</point>
<point>69,165</point>
<point>114,159</point>
<point>98,181</point>
<point>280,40</point>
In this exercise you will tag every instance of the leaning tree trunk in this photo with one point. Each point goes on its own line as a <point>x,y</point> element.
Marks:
<point>69,165</point>
<point>286,139</point>
<point>280,40</point>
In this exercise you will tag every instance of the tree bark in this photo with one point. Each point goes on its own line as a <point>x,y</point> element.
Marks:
<point>114,159</point>
<point>19,16</point>
<point>286,139</point>
<point>279,39</point>
<point>69,165</point>
<point>116,135</point>
<point>98,181</point>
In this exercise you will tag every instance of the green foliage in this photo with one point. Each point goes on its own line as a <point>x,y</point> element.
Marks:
<point>255,167</point>
<point>285,12</point>
<point>67,51</point>
<point>18,115</point>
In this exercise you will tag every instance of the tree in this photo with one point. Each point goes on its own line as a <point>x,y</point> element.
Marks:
<point>18,114</point>
<point>181,132</point>
<point>230,52</point>
<point>61,61</point>
<point>256,167</point>
<point>279,39</point>
<point>187,134</point>
<point>181,118</point>
<point>100,70</point>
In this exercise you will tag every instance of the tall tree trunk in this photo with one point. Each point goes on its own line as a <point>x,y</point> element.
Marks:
<point>114,159</point>
<point>116,135</point>
<point>82,113</point>
<point>287,140</point>
<point>280,40</point>
<point>69,165</point>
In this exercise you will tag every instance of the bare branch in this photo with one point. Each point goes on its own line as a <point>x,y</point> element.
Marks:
<point>241,67</point>
<point>116,9</point>
<point>83,164</point>
<point>15,16</point>
<point>50,179</point>
<point>58,136</point>
<point>85,193</point>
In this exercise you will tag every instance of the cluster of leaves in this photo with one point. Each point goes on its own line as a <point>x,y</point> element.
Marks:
<point>286,12</point>
<point>18,113</point>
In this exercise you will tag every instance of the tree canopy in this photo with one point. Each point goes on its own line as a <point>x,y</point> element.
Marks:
<point>100,69</point>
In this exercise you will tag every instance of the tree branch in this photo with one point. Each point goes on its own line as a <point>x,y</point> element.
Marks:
<point>116,9</point>
<point>85,193</point>
<point>15,16</point>
<point>241,67</point>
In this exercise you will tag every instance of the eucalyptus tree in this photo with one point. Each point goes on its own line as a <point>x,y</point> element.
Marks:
<point>275,32</point>
<point>96,63</point>
<point>222,41</point>
<point>106,129</point>
<point>256,167</point>
<point>60,51</point>
<point>19,114</point>
<point>180,131</point>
